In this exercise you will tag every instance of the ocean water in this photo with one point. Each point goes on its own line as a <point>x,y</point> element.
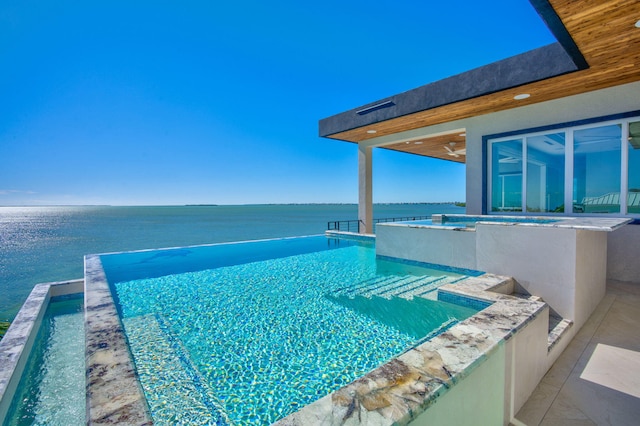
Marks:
<point>42,244</point>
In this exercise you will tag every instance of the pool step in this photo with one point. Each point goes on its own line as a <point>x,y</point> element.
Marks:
<point>430,291</point>
<point>423,319</point>
<point>181,392</point>
<point>406,287</point>
<point>558,326</point>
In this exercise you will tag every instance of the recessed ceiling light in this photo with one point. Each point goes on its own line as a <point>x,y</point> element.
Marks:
<point>371,132</point>
<point>462,134</point>
<point>521,96</point>
<point>418,143</point>
<point>638,24</point>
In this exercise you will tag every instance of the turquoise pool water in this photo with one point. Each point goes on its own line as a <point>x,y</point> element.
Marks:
<point>251,340</point>
<point>469,221</point>
<point>52,387</point>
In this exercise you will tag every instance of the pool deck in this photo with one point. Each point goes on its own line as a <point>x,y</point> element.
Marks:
<point>596,380</point>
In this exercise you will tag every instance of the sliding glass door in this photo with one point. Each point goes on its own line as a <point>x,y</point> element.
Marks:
<point>588,169</point>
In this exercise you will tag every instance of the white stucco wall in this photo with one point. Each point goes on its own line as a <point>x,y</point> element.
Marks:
<point>622,254</point>
<point>525,362</point>
<point>591,273</point>
<point>431,245</point>
<point>542,260</point>
<point>476,400</point>
<point>566,267</point>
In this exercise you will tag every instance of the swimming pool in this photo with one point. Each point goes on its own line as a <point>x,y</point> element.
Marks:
<point>52,388</point>
<point>469,221</point>
<point>250,339</point>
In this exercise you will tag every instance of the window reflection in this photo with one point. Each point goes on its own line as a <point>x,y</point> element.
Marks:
<point>545,173</point>
<point>633,197</point>
<point>506,179</point>
<point>596,170</point>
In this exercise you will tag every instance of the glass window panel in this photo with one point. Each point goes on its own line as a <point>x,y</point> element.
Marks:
<point>596,169</point>
<point>506,176</point>
<point>633,146</point>
<point>545,173</point>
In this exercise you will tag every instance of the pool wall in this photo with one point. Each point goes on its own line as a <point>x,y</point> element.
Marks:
<point>431,244</point>
<point>17,343</point>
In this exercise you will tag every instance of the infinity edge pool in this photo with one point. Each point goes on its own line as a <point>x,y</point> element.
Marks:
<point>397,392</point>
<point>111,371</point>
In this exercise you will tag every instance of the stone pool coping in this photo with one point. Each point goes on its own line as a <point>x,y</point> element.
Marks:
<point>17,342</point>
<point>114,393</point>
<point>396,392</point>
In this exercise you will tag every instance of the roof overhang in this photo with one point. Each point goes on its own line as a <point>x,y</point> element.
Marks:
<point>598,47</point>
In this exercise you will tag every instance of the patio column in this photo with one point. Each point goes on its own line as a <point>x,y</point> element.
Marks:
<point>365,192</point>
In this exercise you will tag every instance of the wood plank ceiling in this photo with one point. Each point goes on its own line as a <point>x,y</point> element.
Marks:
<point>450,147</point>
<point>603,30</point>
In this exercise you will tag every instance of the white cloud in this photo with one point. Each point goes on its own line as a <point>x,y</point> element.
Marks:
<point>15,191</point>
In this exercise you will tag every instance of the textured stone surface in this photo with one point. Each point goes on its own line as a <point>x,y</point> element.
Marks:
<point>114,394</point>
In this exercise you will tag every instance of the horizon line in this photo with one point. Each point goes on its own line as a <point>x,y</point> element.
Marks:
<point>230,205</point>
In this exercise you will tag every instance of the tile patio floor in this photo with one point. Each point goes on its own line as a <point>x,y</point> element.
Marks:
<point>596,380</point>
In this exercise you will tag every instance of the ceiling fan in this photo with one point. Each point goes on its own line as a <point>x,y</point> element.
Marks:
<point>456,152</point>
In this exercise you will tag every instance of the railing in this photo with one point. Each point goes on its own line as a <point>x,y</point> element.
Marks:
<point>353,225</point>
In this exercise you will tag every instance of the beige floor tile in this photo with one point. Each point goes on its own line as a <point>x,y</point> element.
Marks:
<point>623,287</point>
<point>563,407</point>
<point>599,372</point>
<point>549,421</point>
<point>532,413</point>
<point>607,394</point>
<point>619,328</point>
<point>604,405</point>
<point>614,368</point>
<point>560,370</point>
<point>586,333</point>
<point>564,365</point>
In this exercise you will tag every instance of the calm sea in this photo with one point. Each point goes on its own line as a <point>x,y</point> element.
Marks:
<point>42,244</point>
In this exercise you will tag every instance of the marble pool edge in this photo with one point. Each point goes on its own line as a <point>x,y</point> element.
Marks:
<point>114,393</point>
<point>410,382</point>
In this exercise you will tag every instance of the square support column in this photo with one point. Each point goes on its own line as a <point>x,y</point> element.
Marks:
<point>365,191</point>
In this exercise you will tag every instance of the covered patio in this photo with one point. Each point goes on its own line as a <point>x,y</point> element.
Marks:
<point>598,48</point>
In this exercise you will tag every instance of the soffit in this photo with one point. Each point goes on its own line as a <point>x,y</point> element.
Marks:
<point>450,147</point>
<point>604,32</point>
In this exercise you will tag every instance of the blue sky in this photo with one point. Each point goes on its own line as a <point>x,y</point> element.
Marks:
<point>164,102</point>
